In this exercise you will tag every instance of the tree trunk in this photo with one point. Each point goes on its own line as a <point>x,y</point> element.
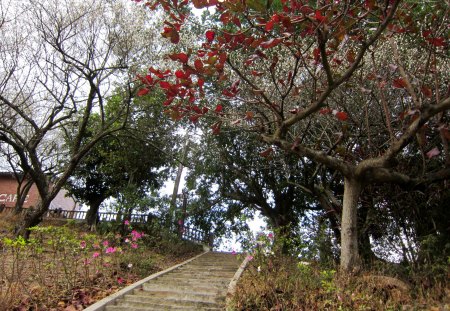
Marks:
<point>92,213</point>
<point>173,201</point>
<point>32,218</point>
<point>22,193</point>
<point>350,261</point>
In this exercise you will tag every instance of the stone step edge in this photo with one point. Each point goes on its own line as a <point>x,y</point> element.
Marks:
<point>101,304</point>
<point>232,286</point>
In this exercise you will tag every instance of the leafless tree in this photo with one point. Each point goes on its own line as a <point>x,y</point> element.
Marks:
<point>60,62</point>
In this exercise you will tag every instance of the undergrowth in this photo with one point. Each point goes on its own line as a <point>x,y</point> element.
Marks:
<point>273,281</point>
<point>68,268</point>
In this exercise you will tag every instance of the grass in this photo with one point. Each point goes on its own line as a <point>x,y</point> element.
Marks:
<point>65,267</point>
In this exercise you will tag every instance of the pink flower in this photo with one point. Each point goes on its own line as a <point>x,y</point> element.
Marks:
<point>134,245</point>
<point>95,255</point>
<point>111,250</point>
<point>126,222</point>
<point>105,243</point>
<point>270,235</point>
<point>233,252</point>
<point>83,244</point>
<point>136,235</point>
<point>249,257</point>
<point>119,280</point>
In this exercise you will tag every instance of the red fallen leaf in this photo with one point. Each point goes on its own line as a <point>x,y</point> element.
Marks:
<point>341,115</point>
<point>210,34</point>
<point>249,115</point>
<point>433,152</point>
<point>319,16</point>
<point>182,57</point>
<point>143,92</point>
<point>325,111</point>
<point>426,91</point>
<point>266,153</point>
<point>399,83</point>
<point>271,43</point>
<point>218,108</point>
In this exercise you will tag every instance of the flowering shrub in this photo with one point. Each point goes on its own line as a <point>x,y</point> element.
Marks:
<point>58,260</point>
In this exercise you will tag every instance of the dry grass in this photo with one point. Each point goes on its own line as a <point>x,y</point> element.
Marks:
<point>280,283</point>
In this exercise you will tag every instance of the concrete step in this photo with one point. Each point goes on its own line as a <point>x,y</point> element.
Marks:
<point>171,301</point>
<point>200,284</point>
<point>185,286</point>
<point>174,280</point>
<point>190,295</point>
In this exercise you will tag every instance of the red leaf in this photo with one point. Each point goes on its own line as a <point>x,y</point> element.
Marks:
<point>269,25</point>
<point>437,41</point>
<point>164,84</point>
<point>319,16</point>
<point>257,73</point>
<point>225,17</point>
<point>182,57</point>
<point>210,35</point>
<point>200,82</point>
<point>194,118</point>
<point>271,43</point>
<point>168,101</point>
<point>266,153</point>
<point>316,54</point>
<point>249,115</point>
<point>399,83</point>
<point>143,92</point>
<point>218,108</point>
<point>426,33</point>
<point>180,74</point>
<point>433,152</point>
<point>216,128</point>
<point>426,91</point>
<point>342,115</point>
<point>325,111</point>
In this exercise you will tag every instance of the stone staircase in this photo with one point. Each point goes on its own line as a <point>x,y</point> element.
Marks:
<point>200,284</point>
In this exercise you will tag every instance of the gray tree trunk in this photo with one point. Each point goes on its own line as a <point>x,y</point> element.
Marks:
<point>350,260</point>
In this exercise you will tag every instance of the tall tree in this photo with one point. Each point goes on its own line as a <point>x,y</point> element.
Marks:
<point>134,157</point>
<point>349,85</point>
<point>59,61</point>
